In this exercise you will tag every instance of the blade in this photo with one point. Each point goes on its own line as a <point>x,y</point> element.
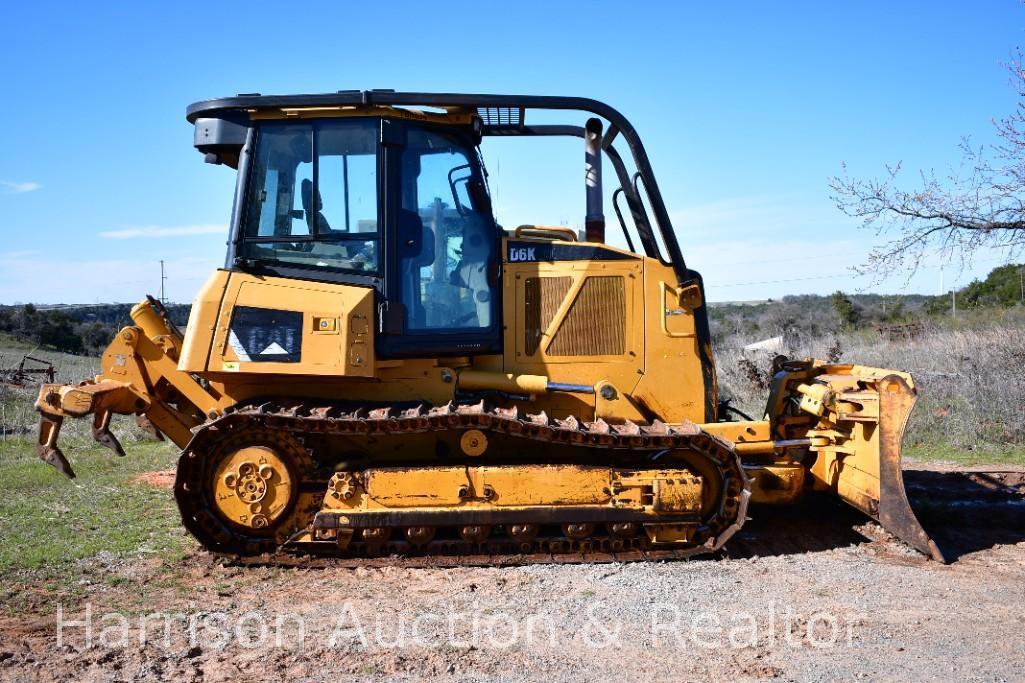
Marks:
<point>895,514</point>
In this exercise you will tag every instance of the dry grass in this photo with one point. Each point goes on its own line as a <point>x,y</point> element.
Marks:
<point>971,381</point>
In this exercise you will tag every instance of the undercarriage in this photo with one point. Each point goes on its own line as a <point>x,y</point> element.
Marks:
<point>297,477</point>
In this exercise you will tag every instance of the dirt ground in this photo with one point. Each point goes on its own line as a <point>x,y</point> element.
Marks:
<point>815,592</point>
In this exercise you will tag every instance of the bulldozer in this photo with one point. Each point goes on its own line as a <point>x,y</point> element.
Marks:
<point>380,369</point>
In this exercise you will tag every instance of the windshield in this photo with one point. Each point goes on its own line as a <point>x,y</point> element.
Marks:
<point>312,197</point>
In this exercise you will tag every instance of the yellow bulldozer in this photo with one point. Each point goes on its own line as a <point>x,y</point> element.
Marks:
<point>381,369</point>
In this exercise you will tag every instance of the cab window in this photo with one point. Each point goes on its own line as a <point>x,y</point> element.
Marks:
<point>446,247</point>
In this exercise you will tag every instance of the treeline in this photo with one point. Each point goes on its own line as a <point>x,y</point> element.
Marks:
<point>811,315</point>
<point>73,329</point>
<point>88,329</point>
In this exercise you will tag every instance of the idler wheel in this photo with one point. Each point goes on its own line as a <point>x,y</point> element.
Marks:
<point>252,487</point>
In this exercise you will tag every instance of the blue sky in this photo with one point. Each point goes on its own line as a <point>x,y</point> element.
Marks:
<point>746,111</point>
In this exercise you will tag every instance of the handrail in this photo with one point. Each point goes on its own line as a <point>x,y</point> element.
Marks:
<point>545,232</point>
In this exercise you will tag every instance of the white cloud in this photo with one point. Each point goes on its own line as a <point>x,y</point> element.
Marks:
<point>16,255</point>
<point>726,211</point>
<point>758,269</point>
<point>744,269</point>
<point>164,231</point>
<point>19,188</point>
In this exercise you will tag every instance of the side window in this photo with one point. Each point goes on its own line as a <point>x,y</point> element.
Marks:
<point>445,248</point>
<point>284,160</point>
<point>348,189</point>
<point>345,206</point>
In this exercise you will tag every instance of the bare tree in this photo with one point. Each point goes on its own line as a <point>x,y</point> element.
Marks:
<point>981,204</point>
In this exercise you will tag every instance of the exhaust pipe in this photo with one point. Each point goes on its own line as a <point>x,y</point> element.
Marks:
<point>594,222</point>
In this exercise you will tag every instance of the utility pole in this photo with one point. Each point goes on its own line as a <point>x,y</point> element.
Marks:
<point>162,279</point>
<point>1021,283</point>
<point>953,302</point>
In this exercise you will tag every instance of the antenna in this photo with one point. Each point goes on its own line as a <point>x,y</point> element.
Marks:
<point>163,278</point>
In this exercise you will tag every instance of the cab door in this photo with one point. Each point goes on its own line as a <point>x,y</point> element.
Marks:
<point>442,286</point>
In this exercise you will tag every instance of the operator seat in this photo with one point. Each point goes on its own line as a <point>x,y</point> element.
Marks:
<point>472,270</point>
<point>306,195</point>
<point>416,249</point>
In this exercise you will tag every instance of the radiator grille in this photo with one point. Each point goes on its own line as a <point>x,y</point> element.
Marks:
<point>596,322</point>
<point>542,297</point>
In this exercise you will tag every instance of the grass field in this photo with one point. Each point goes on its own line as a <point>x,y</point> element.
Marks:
<point>48,521</point>
<point>62,538</point>
<point>985,454</point>
<point>971,383</point>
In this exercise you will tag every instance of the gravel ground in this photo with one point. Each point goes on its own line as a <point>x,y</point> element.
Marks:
<point>810,594</point>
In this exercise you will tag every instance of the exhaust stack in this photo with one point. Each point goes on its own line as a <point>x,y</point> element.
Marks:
<point>594,222</point>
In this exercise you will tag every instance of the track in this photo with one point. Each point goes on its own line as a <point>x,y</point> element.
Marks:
<point>307,437</point>
<point>967,511</point>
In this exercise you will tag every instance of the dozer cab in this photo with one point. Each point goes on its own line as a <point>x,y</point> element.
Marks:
<point>381,369</point>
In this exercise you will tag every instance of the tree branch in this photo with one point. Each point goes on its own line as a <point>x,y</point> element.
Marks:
<point>980,206</point>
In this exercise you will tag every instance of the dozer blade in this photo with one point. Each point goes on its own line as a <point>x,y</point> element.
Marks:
<point>863,413</point>
<point>896,400</point>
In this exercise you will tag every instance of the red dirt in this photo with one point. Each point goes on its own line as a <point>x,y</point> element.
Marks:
<point>163,479</point>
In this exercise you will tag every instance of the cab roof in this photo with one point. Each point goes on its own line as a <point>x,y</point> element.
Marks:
<point>495,112</point>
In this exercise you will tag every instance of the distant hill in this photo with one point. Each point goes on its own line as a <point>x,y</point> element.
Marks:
<point>819,314</point>
<point>113,314</point>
